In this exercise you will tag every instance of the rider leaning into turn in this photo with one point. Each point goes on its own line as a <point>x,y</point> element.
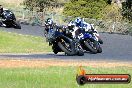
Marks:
<point>80,25</point>
<point>48,22</point>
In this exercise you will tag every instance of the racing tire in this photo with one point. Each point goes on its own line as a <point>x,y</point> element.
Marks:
<point>99,49</point>
<point>80,53</point>
<point>64,49</point>
<point>90,48</point>
<point>17,25</point>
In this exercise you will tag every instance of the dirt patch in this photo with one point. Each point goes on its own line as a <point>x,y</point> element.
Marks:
<point>47,63</point>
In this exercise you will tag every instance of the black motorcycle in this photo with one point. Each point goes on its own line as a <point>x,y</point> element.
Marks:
<point>60,43</point>
<point>9,20</point>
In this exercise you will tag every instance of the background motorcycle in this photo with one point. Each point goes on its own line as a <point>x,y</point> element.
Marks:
<point>9,19</point>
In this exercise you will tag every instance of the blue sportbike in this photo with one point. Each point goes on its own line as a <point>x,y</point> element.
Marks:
<point>89,42</point>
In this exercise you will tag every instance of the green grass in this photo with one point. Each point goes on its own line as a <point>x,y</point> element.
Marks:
<point>16,43</point>
<point>54,77</point>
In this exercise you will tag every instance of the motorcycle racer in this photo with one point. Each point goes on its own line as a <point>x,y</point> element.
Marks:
<point>48,23</point>
<point>79,26</point>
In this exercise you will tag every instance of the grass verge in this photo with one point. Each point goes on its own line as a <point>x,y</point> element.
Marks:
<point>55,77</point>
<point>16,43</point>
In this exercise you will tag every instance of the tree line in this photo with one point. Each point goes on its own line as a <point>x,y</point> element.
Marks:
<point>82,8</point>
<point>42,4</point>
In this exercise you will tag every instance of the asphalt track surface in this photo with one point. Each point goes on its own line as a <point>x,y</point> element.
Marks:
<point>116,47</point>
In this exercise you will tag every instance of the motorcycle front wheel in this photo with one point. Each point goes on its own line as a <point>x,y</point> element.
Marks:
<point>16,25</point>
<point>91,46</point>
<point>67,46</point>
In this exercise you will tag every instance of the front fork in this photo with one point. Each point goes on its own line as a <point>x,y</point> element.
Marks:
<point>78,46</point>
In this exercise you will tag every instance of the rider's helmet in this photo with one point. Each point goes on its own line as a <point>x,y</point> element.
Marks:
<point>78,21</point>
<point>48,24</point>
<point>49,21</point>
